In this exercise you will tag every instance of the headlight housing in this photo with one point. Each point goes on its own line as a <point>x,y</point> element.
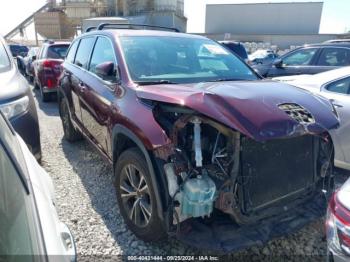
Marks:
<point>15,108</point>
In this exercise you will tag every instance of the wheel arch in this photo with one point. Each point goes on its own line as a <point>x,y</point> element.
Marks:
<point>122,139</point>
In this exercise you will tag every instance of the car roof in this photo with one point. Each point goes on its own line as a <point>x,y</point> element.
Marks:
<point>330,75</point>
<point>56,43</point>
<point>318,80</point>
<point>342,44</point>
<point>133,32</point>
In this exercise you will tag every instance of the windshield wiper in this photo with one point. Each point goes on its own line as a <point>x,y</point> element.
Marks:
<point>158,82</point>
<point>228,79</point>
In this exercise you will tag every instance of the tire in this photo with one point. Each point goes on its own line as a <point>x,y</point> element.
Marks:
<point>70,133</point>
<point>144,221</point>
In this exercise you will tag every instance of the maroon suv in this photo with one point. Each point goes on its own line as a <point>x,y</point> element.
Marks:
<point>47,67</point>
<point>202,148</point>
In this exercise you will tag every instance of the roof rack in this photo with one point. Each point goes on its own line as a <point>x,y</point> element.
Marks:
<point>90,29</point>
<point>133,26</point>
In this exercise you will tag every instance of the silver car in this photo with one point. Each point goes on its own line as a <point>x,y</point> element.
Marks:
<point>29,226</point>
<point>334,85</point>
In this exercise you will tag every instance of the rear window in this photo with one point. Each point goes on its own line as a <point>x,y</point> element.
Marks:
<point>57,51</point>
<point>18,49</point>
<point>5,63</point>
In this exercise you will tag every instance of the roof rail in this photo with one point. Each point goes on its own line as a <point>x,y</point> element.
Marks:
<point>134,26</point>
<point>90,29</point>
<point>49,41</point>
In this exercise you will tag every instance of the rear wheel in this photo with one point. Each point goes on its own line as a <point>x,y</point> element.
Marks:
<point>70,133</point>
<point>136,197</point>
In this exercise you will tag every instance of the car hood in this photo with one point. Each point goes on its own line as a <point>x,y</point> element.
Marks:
<point>12,85</point>
<point>250,107</point>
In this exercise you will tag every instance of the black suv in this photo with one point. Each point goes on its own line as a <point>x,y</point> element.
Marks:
<point>309,59</point>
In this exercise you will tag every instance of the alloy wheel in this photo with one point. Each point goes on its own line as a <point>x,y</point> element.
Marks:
<point>135,195</point>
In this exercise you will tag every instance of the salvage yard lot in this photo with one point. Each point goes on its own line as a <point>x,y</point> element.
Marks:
<point>86,202</point>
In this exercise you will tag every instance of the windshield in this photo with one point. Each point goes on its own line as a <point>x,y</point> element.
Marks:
<point>5,63</point>
<point>181,60</point>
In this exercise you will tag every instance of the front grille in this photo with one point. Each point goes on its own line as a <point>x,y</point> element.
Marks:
<point>298,113</point>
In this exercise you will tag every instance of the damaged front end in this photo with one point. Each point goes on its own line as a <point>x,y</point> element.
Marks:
<point>228,191</point>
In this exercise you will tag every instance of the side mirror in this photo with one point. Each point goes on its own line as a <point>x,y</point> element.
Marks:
<point>33,57</point>
<point>108,71</point>
<point>278,63</point>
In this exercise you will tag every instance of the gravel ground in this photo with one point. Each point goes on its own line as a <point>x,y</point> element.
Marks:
<point>86,202</point>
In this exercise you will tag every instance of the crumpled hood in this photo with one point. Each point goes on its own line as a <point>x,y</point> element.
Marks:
<point>250,107</point>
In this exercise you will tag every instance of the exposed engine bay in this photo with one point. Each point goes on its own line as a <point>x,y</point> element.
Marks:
<point>211,168</point>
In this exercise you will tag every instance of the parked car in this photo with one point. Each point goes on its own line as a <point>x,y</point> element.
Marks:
<point>310,59</point>
<point>194,133</point>
<point>337,225</point>
<point>28,62</point>
<point>17,102</point>
<point>237,48</point>
<point>335,86</point>
<point>47,68</point>
<point>262,57</point>
<point>17,50</point>
<point>30,227</point>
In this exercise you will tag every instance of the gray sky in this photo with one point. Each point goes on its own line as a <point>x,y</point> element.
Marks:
<point>335,17</point>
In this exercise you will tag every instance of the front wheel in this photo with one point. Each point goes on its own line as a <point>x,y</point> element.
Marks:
<point>70,133</point>
<point>136,197</point>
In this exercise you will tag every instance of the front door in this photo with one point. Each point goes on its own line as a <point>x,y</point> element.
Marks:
<point>99,94</point>
<point>296,63</point>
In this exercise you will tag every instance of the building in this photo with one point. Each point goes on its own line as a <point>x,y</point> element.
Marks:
<point>279,24</point>
<point>264,18</point>
<point>168,13</point>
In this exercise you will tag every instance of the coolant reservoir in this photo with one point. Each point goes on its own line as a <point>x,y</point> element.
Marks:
<point>197,197</point>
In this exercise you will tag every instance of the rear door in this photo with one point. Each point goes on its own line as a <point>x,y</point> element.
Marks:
<point>99,95</point>
<point>70,81</point>
<point>81,64</point>
<point>300,61</point>
<point>339,93</point>
<point>332,58</point>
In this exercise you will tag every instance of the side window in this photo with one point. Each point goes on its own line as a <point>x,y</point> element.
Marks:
<point>71,53</point>
<point>341,86</point>
<point>16,237</point>
<point>84,51</point>
<point>300,57</point>
<point>103,52</point>
<point>334,57</point>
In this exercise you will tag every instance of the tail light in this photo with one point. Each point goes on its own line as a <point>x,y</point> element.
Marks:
<point>338,220</point>
<point>47,64</point>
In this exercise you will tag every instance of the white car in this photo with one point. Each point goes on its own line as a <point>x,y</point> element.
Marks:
<point>334,85</point>
<point>30,229</point>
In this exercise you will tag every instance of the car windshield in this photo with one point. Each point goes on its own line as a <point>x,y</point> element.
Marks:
<point>163,59</point>
<point>57,51</point>
<point>5,63</point>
